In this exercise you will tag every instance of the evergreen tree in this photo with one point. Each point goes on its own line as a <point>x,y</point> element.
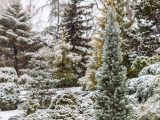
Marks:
<point>95,62</point>
<point>16,45</point>
<point>75,24</point>
<point>111,103</point>
<point>147,13</point>
<point>90,78</point>
<point>63,61</point>
<point>124,18</point>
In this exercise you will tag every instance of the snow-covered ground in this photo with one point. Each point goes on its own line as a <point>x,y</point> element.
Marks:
<point>5,115</point>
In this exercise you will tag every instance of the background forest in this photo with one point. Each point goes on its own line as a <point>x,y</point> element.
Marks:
<point>79,59</point>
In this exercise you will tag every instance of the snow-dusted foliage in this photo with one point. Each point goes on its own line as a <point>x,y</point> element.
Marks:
<point>34,99</point>
<point>89,82</point>
<point>8,96</point>
<point>23,79</point>
<point>111,102</point>
<point>140,62</point>
<point>44,114</point>
<point>149,109</point>
<point>31,106</point>
<point>66,106</point>
<point>63,61</point>
<point>142,87</point>
<point>16,44</point>
<point>153,69</point>
<point>147,16</point>
<point>8,74</point>
<point>75,21</point>
<point>8,89</point>
<point>70,106</point>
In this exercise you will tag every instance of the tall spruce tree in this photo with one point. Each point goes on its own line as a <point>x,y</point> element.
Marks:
<point>111,102</point>
<point>147,13</point>
<point>75,24</point>
<point>63,61</point>
<point>16,45</point>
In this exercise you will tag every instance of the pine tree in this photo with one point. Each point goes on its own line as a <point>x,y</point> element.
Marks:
<point>75,24</point>
<point>16,45</point>
<point>63,61</point>
<point>111,103</point>
<point>147,14</point>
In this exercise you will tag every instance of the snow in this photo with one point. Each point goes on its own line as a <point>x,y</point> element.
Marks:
<point>142,87</point>
<point>153,69</point>
<point>72,89</point>
<point>5,115</point>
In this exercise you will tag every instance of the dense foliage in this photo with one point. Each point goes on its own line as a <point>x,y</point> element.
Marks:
<point>16,44</point>
<point>111,48</point>
<point>111,102</point>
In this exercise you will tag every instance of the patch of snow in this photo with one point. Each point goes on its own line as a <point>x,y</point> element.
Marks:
<point>5,115</point>
<point>72,89</point>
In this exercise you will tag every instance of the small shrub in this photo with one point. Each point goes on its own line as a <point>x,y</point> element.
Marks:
<point>31,106</point>
<point>8,96</point>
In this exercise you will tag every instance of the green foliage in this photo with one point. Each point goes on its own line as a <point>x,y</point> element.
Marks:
<point>124,16</point>
<point>8,96</point>
<point>141,62</point>
<point>63,61</point>
<point>31,106</point>
<point>76,26</point>
<point>8,89</point>
<point>16,43</point>
<point>60,83</point>
<point>111,102</point>
<point>67,75</point>
<point>90,76</point>
<point>147,15</point>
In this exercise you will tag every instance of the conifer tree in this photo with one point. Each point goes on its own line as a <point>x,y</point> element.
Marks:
<point>119,6</point>
<point>73,21</point>
<point>90,78</point>
<point>147,13</point>
<point>111,103</point>
<point>16,45</point>
<point>63,61</point>
<point>95,62</point>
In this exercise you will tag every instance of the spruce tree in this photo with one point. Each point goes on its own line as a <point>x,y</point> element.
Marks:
<point>63,61</point>
<point>147,14</point>
<point>75,24</point>
<point>111,102</point>
<point>16,44</point>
